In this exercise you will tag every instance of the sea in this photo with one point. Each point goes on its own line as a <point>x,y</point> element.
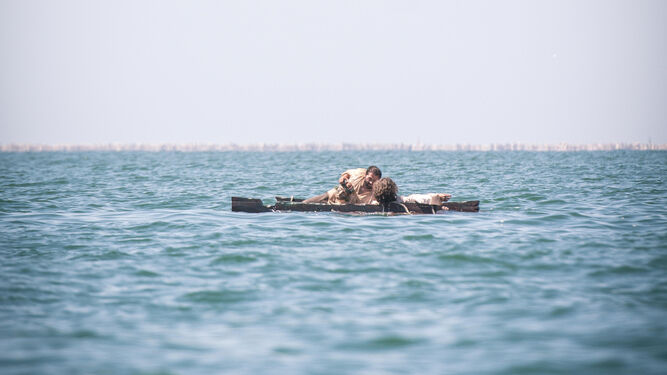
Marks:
<point>133,263</point>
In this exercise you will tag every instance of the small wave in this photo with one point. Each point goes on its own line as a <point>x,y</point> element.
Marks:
<point>146,273</point>
<point>386,342</point>
<point>561,311</point>
<point>659,262</point>
<point>218,296</point>
<point>233,259</point>
<point>407,297</point>
<point>317,224</point>
<point>418,284</point>
<point>286,350</point>
<point>107,255</point>
<point>240,242</point>
<point>554,217</point>
<point>156,225</point>
<point>473,259</point>
<point>135,240</point>
<point>530,196</point>
<point>84,334</point>
<point>324,285</point>
<point>180,251</point>
<point>418,237</point>
<point>392,341</point>
<point>534,222</point>
<point>112,255</point>
<point>554,202</point>
<point>619,270</point>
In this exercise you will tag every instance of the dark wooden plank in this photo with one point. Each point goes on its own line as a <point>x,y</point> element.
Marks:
<point>468,206</point>
<point>249,205</point>
<point>256,205</point>
<point>321,207</point>
<point>399,208</point>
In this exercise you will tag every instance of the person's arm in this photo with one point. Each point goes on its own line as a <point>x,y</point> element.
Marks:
<point>345,192</point>
<point>354,178</point>
<point>416,198</point>
<point>430,198</point>
<point>441,198</point>
<point>345,179</point>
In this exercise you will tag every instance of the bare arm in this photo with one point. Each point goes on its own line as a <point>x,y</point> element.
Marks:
<point>431,198</point>
<point>345,180</point>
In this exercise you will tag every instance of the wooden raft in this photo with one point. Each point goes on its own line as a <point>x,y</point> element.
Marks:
<point>252,205</point>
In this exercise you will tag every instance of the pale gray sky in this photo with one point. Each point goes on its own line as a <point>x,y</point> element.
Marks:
<point>438,72</point>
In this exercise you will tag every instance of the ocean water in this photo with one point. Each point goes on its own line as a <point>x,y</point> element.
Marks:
<point>133,263</point>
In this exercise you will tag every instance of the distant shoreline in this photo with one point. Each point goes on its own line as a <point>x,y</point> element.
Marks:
<point>276,147</point>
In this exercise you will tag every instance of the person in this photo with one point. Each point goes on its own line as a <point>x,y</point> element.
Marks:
<point>355,186</point>
<point>385,191</point>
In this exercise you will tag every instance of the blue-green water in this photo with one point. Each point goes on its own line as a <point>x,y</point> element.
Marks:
<point>132,262</point>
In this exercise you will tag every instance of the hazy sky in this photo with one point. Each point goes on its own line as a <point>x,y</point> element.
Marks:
<point>243,71</point>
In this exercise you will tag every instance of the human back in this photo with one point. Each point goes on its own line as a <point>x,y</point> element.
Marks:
<point>355,186</point>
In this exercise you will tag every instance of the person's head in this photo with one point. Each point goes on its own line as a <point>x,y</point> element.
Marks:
<point>373,174</point>
<point>385,190</point>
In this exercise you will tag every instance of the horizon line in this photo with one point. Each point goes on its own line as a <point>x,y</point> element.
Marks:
<point>341,146</point>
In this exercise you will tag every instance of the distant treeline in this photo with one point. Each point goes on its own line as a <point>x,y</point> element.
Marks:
<point>332,147</point>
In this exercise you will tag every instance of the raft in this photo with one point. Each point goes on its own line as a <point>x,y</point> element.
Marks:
<point>253,205</point>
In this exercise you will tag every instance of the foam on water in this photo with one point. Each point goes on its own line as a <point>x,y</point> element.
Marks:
<point>132,262</point>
